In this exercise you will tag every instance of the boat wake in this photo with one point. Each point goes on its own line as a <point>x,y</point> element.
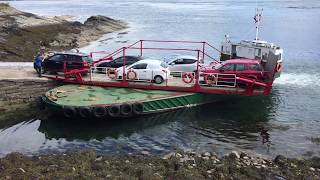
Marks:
<point>300,80</point>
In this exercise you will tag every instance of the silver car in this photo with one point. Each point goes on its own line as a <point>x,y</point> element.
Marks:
<point>183,64</point>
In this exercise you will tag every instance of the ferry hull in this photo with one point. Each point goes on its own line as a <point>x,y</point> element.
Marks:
<point>153,101</point>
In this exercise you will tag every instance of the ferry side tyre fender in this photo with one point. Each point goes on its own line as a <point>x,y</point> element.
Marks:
<point>99,112</point>
<point>69,112</point>
<point>137,108</point>
<point>114,110</point>
<point>85,112</point>
<point>126,109</point>
<point>187,77</point>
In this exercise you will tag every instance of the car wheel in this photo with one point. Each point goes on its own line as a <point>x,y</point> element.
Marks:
<point>43,70</point>
<point>158,79</point>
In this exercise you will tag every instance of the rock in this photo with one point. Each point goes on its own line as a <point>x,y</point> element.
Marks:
<point>234,155</point>
<point>209,171</point>
<point>280,160</point>
<point>22,170</point>
<point>207,154</point>
<point>293,165</point>
<point>145,153</point>
<point>178,155</point>
<point>246,158</point>
<point>263,166</point>
<point>168,156</point>
<point>312,169</point>
<point>188,160</point>
<point>205,158</point>
<point>98,158</point>
<point>127,161</point>
<point>242,155</point>
<point>73,169</point>
<point>194,165</point>
<point>190,167</point>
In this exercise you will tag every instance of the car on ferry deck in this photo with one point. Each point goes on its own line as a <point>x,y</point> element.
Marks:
<point>73,60</point>
<point>116,63</point>
<point>146,69</point>
<point>184,64</point>
<point>246,68</point>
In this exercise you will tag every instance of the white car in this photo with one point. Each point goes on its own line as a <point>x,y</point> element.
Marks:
<point>184,64</point>
<point>146,69</point>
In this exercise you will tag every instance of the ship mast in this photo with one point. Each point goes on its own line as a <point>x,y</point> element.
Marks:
<point>257,19</point>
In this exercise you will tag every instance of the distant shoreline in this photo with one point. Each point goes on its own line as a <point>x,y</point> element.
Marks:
<point>23,33</point>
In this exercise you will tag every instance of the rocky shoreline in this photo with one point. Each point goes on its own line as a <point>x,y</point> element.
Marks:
<point>22,33</point>
<point>177,165</point>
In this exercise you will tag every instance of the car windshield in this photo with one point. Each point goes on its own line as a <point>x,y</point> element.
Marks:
<point>87,59</point>
<point>164,65</point>
<point>218,66</point>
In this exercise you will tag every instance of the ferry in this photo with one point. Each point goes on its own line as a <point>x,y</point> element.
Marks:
<point>149,86</point>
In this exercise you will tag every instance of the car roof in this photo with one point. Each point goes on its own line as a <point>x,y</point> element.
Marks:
<point>71,53</point>
<point>246,61</point>
<point>148,61</point>
<point>186,57</point>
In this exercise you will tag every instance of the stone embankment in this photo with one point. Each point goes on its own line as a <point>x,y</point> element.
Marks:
<point>17,91</point>
<point>22,34</point>
<point>179,165</point>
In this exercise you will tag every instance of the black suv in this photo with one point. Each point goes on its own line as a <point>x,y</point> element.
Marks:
<point>118,62</point>
<point>55,63</point>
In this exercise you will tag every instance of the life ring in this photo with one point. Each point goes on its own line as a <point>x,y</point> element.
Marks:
<point>187,77</point>
<point>99,112</point>
<point>85,112</point>
<point>210,79</point>
<point>69,112</point>
<point>278,67</point>
<point>126,109</point>
<point>131,75</point>
<point>137,108</point>
<point>114,110</point>
<point>112,73</point>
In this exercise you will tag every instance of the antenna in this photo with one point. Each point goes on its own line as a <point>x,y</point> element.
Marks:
<point>257,18</point>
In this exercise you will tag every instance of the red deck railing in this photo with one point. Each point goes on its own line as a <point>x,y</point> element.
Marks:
<point>252,87</point>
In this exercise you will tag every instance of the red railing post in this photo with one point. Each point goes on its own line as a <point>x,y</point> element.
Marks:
<point>197,73</point>
<point>203,46</point>
<point>141,47</point>
<point>124,64</point>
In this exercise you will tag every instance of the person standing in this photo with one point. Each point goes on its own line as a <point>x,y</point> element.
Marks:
<point>38,64</point>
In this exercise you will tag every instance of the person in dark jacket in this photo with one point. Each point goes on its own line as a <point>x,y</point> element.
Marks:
<point>38,63</point>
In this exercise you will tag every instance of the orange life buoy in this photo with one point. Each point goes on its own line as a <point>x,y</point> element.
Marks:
<point>187,77</point>
<point>278,67</point>
<point>131,75</point>
<point>112,73</point>
<point>210,79</point>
